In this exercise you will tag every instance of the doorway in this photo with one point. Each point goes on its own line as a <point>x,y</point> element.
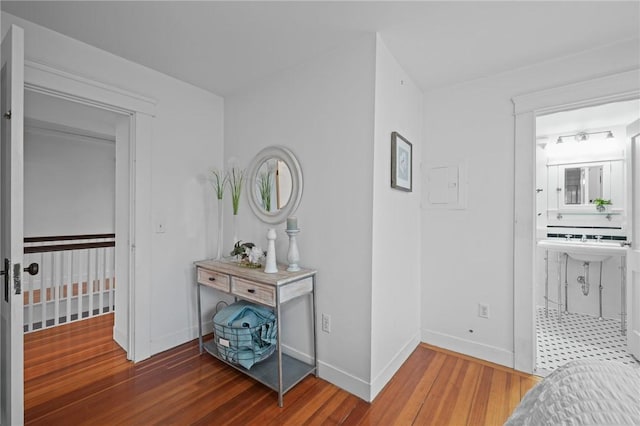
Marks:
<point>69,210</point>
<point>616,87</point>
<point>582,218</point>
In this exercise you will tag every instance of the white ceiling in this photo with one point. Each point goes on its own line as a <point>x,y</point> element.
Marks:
<point>226,46</point>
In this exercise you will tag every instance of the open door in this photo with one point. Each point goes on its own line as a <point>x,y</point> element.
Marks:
<point>11,228</point>
<point>633,252</point>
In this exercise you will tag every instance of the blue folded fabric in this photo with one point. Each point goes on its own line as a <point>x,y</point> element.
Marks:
<point>249,332</point>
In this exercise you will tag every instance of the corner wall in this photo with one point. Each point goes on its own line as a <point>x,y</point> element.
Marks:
<point>323,111</point>
<point>395,306</point>
<point>467,255</point>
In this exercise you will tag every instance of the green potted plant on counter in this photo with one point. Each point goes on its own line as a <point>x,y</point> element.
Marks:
<point>601,204</point>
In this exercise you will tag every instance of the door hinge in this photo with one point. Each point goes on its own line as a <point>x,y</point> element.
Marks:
<point>17,278</point>
<point>7,115</point>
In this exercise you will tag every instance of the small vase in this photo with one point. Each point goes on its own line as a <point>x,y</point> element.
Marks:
<point>271,265</point>
<point>235,229</point>
<point>601,208</point>
<point>219,255</point>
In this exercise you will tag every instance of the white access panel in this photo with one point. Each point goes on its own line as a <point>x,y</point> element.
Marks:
<point>445,187</point>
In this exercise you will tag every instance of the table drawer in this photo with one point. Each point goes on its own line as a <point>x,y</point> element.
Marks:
<point>253,291</point>
<point>213,279</point>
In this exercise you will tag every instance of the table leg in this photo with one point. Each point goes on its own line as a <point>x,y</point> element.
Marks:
<point>546,283</point>
<point>313,318</point>
<point>199,321</point>
<point>600,288</point>
<point>279,351</point>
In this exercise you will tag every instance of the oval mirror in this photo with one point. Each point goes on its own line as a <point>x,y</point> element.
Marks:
<point>274,184</point>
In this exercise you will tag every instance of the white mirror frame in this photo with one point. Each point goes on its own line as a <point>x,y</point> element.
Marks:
<point>283,154</point>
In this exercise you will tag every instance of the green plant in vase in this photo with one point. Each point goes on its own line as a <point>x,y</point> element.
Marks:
<point>219,181</point>
<point>601,204</point>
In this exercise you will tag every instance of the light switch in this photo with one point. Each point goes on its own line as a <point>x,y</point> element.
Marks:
<point>160,227</point>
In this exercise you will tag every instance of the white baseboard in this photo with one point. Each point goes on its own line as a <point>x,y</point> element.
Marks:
<point>168,341</point>
<point>468,347</point>
<point>334,375</point>
<point>342,379</point>
<point>120,338</point>
<point>380,381</point>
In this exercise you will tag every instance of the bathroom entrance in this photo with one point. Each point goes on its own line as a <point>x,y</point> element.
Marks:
<point>583,222</point>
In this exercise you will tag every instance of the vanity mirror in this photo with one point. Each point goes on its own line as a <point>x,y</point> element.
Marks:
<point>576,186</point>
<point>582,185</point>
<point>274,184</point>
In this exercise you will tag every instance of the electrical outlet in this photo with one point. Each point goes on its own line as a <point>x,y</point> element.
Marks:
<point>326,323</point>
<point>483,310</point>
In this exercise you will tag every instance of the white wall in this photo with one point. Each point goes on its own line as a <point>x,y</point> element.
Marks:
<point>323,111</point>
<point>69,184</point>
<point>467,255</point>
<point>395,306</point>
<point>187,141</point>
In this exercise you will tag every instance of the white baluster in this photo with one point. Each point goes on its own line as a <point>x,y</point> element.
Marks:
<point>43,294</point>
<point>101,282</point>
<point>55,286</point>
<point>67,285</point>
<point>90,284</point>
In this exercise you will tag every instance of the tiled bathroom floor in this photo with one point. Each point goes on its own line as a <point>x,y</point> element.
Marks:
<point>577,336</point>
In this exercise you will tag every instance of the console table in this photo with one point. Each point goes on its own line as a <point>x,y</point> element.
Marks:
<point>280,371</point>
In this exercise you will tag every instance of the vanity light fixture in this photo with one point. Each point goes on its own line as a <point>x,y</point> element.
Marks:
<point>583,136</point>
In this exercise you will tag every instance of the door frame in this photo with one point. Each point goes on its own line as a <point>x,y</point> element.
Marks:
<point>633,251</point>
<point>11,165</point>
<point>612,88</point>
<point>133,201</point>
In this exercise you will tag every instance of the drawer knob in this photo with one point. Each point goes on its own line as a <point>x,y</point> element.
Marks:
<point>212,279</point>
<point>251,290</point>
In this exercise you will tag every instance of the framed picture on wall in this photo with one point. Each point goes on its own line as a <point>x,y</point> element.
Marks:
<point>401,163</point>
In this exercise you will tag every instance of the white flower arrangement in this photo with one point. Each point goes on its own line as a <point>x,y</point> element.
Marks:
<point>255,254</point>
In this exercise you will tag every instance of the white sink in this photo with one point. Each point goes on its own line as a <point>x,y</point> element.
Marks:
<point>588,251</point>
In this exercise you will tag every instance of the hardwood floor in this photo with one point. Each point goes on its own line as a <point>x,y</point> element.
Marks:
<point>75,374</point>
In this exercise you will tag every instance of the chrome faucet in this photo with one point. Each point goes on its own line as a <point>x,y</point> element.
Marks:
<point>598,238</point>
<point>584,238</point>
<point>569,236</point>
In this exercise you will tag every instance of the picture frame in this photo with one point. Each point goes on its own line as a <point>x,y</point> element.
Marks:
<point>401,163</point>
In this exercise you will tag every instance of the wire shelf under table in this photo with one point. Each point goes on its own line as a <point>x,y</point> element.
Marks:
<point>266,371</point>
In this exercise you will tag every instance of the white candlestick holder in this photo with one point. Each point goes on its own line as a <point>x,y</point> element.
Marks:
<point>293,256</point>
<point>271,266</point>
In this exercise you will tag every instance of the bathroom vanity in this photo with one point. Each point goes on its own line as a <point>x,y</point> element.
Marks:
<point>584,252</point>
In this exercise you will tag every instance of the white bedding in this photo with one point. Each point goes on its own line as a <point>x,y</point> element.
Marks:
<point>583,393</point>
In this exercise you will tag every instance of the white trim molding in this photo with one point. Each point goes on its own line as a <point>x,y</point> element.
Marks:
<point>342,379</point>
<point>381,380</point>
<point>46,79</point>
<point>139,112</point>
<point>612,88</point>
<point>477,350</point>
